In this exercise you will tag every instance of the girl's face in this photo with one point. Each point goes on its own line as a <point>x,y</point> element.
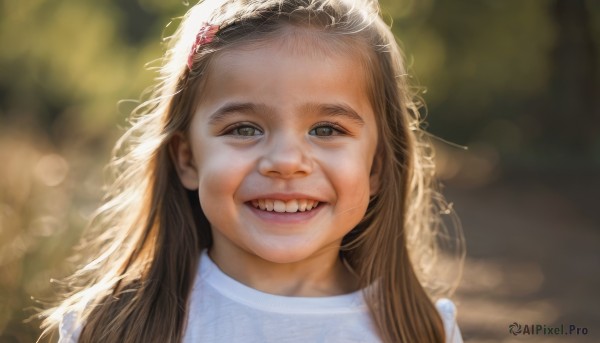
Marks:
<point>281,127</point>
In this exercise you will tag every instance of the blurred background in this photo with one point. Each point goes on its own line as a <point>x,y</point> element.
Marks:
<point>517,82</point>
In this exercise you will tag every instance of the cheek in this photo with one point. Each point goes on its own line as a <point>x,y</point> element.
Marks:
<point>220,173</point>
<point>353,189</point>
<point>349,174</point>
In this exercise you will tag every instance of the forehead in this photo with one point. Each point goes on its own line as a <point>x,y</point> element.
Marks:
<point>303,42</point>
<point>293,63</point>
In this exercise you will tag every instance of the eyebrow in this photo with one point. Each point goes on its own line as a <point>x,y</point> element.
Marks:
<point>333,110</point>
<point>229,109</point>
<point>336,110</point>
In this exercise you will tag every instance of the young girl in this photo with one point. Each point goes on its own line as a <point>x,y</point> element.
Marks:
<point>277,188</point>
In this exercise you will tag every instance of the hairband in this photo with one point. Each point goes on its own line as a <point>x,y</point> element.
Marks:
<point>205,35</point>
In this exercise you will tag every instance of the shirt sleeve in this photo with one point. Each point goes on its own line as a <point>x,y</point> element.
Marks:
<point>447,311</point>
<point>68,329</point>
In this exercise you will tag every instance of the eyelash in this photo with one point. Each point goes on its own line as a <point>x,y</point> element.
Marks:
<point>337,128</point>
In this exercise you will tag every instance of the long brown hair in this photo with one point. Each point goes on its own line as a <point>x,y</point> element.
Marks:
<point>151,230</point>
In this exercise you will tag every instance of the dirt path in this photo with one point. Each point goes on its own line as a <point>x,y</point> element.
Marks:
<point>533,257</point>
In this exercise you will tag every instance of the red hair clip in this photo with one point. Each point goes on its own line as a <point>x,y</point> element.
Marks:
<point>205,35</point>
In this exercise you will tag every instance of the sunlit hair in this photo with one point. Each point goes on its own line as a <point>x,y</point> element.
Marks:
<point>150,231</point>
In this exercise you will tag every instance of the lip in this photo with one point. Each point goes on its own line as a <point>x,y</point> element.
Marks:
<point>285,217</point>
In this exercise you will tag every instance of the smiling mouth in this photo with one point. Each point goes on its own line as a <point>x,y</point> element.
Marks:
<point>289,206</point>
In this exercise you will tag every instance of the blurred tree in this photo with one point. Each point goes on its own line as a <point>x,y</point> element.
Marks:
<point>520,77</point>
<point>571,115</point>
<point>67,63</point>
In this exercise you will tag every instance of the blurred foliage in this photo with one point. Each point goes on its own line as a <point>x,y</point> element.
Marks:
<point>520,78</point>
<point>516,81</point>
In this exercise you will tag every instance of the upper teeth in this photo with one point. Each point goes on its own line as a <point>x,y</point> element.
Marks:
<point>285,206</point>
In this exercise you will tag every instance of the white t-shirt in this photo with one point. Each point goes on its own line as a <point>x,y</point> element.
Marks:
<point>225,310</point>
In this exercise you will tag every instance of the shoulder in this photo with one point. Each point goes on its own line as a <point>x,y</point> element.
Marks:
<point>447,311</point>
<point>69,328</point>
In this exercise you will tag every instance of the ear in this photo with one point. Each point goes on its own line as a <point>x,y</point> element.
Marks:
<point>183,159</point>
<point>375,176</point>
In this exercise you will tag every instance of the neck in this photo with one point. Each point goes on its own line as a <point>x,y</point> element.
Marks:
<point>322,274</point>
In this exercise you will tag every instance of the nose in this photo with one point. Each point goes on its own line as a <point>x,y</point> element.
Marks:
<point>285,157</point>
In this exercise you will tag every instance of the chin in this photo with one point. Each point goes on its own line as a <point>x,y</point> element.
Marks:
<point>283,253</point>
